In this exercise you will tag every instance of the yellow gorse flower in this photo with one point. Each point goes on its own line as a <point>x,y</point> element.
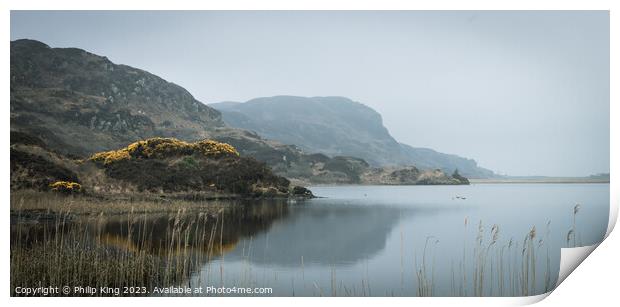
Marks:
<point>66,186</point>
<point>164,147</point>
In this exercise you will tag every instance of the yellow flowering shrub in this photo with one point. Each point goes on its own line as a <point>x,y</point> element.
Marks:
<point>164,147</point>
<point>66,186</point>
<point>209,147</point>
<point>110,156</point>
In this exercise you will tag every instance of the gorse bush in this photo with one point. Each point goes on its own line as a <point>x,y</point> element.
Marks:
<point>159,148</point>
<point>66,187</point>
<point>171,165</point>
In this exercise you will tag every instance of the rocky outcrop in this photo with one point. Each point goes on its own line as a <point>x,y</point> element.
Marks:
<point>409,175</point>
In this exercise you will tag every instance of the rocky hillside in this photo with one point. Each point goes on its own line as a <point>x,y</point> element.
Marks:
<point>34,166</point>
<point>337,126</point>
<point>81,103</point>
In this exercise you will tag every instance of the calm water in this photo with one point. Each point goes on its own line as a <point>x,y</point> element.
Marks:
<point>370,240</point>
<point>365,240</point>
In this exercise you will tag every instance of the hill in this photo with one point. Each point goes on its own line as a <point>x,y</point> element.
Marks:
<point>337,126</point>
<point>81,103</point>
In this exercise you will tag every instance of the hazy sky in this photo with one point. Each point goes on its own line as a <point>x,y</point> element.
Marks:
<point>523,93</point>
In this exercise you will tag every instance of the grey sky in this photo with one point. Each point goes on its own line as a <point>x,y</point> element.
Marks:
<point>523,93</point>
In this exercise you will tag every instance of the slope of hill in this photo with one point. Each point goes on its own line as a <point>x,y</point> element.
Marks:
<point>426,158</point>
<point>82,103</point>
<point>337,126</point>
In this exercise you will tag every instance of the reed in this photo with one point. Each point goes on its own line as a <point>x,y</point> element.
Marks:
<point>426,281</point>
<point>74,250</point>
<point>572,232</point>
<point>504,269</point>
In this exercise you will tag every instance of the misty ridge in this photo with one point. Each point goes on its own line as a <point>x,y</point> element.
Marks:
<point>337,126</point>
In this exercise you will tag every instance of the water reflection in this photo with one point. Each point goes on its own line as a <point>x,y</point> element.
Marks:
<point>212,233</point>
<point>324,234</point>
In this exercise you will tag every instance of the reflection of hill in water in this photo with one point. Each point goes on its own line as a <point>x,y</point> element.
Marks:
<point>323,234</point>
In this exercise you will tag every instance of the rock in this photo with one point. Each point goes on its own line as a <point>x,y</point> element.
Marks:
<point>298,191</point>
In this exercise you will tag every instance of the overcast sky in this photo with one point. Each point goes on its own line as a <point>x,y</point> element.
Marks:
<point>523,93</point>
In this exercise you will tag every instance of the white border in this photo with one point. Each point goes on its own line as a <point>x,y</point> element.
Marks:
<point>583,289</point>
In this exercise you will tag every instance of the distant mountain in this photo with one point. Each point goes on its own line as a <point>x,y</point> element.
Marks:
<point>337,126</point>
<point>330,125</point>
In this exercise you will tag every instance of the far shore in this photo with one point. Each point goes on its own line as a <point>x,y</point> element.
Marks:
<point>541,180</point>
<point>548,180</point>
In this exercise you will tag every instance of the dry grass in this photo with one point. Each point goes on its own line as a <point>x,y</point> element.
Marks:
<point>70,246</point>
<point>85,205</point>
<point>505,268</point>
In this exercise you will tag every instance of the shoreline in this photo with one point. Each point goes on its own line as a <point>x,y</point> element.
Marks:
<point>473,182</point>
<point>47,203</point>
<point>538,181</point>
